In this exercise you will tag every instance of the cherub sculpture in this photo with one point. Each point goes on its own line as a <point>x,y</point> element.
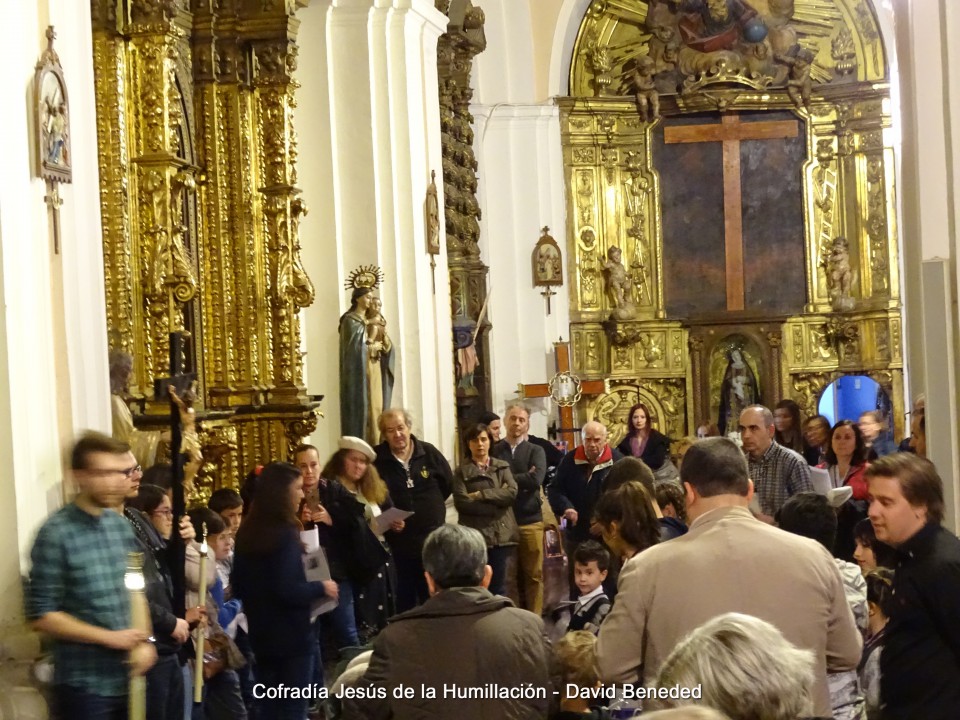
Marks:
<point>619,285</point>
<point>639,78</point>
<point>839,275</point>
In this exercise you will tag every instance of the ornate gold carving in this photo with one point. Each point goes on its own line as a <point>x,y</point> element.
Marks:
<point>843,52</point>
<point>808,387</point>
<point>876,225</point>
<point>213,251</point>
<point>589,270</point>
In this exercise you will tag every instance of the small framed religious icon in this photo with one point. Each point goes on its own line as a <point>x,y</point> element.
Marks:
<point>547,268</point>
<point>546,261</point>
<point>53,116</point>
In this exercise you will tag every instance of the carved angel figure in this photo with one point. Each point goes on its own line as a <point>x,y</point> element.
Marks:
<point>839,275</point>
<point>639,79</point>
<point>619,285</point>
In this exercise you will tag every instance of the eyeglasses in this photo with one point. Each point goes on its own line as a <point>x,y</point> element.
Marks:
<point>127,472</point>
<point>165,512</point>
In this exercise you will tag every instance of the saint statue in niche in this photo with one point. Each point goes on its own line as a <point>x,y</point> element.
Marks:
<point>366,358</point>
<point>840,276</point>
<point>738,390</point>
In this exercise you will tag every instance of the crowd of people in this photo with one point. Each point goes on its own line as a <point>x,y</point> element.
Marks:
<point>716,584</point>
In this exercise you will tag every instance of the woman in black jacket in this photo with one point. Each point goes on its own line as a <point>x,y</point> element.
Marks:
<point>642,441</point>
<point>268,577</point>
<point>359,557</point>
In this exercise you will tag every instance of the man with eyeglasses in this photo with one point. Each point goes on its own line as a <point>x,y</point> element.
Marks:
<point>77,594</point>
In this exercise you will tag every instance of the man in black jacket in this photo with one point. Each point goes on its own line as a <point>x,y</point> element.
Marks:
<point>529,466</point>
<point>920,664</point>
<point>419,479</point>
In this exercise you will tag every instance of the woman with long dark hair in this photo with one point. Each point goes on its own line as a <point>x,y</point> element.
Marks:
<point>786,420</point>
<point>269,578</point>
<point>627,521</point>
<point>360,560</point>
<point>643,441</point>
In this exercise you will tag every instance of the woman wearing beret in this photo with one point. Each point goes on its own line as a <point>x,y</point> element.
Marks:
<point>355,498</point>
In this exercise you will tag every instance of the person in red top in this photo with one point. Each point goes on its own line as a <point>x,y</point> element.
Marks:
<point>846,461</point>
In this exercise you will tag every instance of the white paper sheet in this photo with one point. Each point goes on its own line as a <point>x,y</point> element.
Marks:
<point>385,519</point>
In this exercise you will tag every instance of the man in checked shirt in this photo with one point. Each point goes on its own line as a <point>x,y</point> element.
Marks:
<point>777,472</point>
<point>76,592</point>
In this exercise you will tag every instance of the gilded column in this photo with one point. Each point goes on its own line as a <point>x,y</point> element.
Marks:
<point>162,179</point>
<point>288,287</point>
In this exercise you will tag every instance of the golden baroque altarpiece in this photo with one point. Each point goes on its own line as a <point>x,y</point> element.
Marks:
<point>639,64</point>
<point>200,209</point>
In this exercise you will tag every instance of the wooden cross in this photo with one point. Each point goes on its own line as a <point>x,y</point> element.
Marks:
<point>561,351</point>
<point>731,132</point>
<point>54,202</point>
<point>181,382</point>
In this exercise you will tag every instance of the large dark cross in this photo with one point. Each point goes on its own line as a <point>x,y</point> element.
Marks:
<point>561,351</point>
<point>180,381</point>
<point>731,132</point>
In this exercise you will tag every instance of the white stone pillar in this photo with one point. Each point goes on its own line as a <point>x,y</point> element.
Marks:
<point>521,189</point>
<point>53,347</point>
<point>928,44</point>
<point>375,150</point>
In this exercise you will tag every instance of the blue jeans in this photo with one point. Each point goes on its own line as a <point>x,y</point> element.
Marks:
<point>78,704</point>
<point>165,689</point>
<point>289,671</point>
<point>342,620</point>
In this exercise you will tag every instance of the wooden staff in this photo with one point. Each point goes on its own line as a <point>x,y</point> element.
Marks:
<point>140,620</point>
<point>198,640</point>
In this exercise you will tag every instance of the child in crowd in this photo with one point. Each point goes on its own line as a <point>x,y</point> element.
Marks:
<point>222,699</point>
<point>672,500</point>
<point>576,661</point>
<point>591,562</point>
<point>228,504</point>
<point>879,597</point>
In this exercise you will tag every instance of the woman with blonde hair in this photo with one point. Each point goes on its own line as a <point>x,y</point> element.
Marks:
<point>359,557</point>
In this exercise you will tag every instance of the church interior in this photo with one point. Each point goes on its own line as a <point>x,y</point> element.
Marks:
<point>574,203</point>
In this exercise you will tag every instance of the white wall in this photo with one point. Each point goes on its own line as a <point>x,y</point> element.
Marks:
<point>53,369</point>
<point>520,189</point>
<point>369,129</point>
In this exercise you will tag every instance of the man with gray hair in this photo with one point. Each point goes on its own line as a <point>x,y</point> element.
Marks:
<point>465,653</point>
<point>744,667</point>
<point>529,467</point>
<point>727,562</point>
<point>777,472</point>
<point>419,479</point>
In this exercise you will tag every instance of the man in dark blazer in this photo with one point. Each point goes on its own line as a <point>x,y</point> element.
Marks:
<point>528,463</point>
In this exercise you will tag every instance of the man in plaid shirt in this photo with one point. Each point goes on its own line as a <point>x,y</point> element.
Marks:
<point>76,592</point>
<point>777,472</point>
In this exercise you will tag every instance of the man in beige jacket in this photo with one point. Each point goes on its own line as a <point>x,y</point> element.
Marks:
<point>728,562</point>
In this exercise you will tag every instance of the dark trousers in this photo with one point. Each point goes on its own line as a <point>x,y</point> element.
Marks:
<point>411,584</point>
<point>165,689</point>
<point>292,672</point>
<point>497,558</point>
<point>221,698</point>
<point>74,704</point>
